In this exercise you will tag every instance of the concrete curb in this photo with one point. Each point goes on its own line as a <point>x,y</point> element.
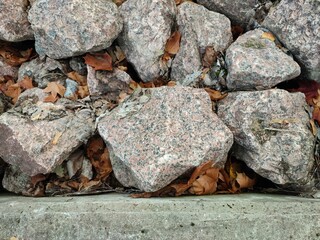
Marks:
<point>115,216</point>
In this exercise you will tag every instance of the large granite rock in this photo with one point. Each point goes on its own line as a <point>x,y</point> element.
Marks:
<point>3,166</point>
<point>297,25</point>
<point>66,28</point>
<point>147,27</point>
<point>271,134</point>
<point>14,180</point>
<point>255,62</point>
<point>107,84</point>
<point>37,136</point>
<point>239,12</point>
<point>200,28</point>
<point>14,25</point>
<point>158,134</point>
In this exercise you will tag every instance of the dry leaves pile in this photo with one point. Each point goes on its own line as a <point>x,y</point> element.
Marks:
<point>206,179</point>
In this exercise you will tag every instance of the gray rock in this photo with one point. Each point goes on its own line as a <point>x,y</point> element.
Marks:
<point>107,84</point>
<point>14,180</point>
<point>14,25</point>
<point>38,136</point>
<point>257,63</point>
<point>239,12</point>
<point>66,28</point>
<point>77,64</point>
<point>42,71</point>
<point>6,69</point>
<point>297,25</point>
<point>200,28</point>
<point>147,27</point>
<point>271,134</point>
<point>158,134</point>
<point>3,166</point>
<point>2,105</point>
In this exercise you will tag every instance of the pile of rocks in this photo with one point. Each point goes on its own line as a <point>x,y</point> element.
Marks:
<point>157,134</point>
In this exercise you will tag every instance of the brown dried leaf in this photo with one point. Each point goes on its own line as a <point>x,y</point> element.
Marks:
<point>244,181</point>
<point>269,36</point>
<point>99,61</point>
<point>206,183</point>
<point>200,170</point>
<point>83,91</point>
<point>13,57</point>
<point>13,90</point>
<point>173,44</point>
<point>26,83</point>
<point>55,89</point>
<point>314,129</point>
<point>82,80</point>
<point>215,95</point>
<point>316,114</point>
<point>209,57</point>
<point>50,98</point>
<point>119,54</point>
<point>171,84</point>
<point>37,178</point>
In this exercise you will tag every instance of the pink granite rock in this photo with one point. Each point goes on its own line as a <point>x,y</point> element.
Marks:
<point>271,134</point>
<point>38,136</point>
<point>107,84</point>
<point>158,134</point>
<point>14,25</point>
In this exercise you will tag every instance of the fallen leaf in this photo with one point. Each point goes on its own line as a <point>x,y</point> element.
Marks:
<point>314,129</point>
<point>206,183</point>
<point>173,44</point>
<point>13,91</point>
<point>209,57</point>
<point>50,98</point>
<point>215,95</point>
<point>56,138</point>
<point>171,84</point>
<point>316,114</point>
<point>269,36</point>
<point>119,54</point>
<point>82,80</point>
<point>118,2</point>
<point>13,57</point>
<point>55,89</point>
<point>83,91</point>
<point>244,181</point>
<point>99,61</point>
<point>26,83</point>
<point>309,88</point>
<point>38,178</point>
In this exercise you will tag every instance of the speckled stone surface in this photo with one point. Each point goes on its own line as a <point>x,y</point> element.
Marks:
<point>107,84</point>
<point>6,69</point>
<point>200,28</point>
<point>271,133</point>
<point>14,180</point>
<point>38,136</point>
<point>297,25</point>
<point>14,25</point>
<point>257,63</point>
<point>238,11</point>
<point>158,134</point>
<point>147,27</point>
<point>66,28</point>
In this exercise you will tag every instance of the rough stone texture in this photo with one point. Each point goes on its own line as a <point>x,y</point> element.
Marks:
<point>297,25</point>
<point>200,28</point>
<point>42,71</point>
<point>6,69</point>
<point>107,84</point>
<point>158,134</point>
<point>147,27</point>
<point>14,25</point>
<point>15,180</point>
<point>257,63</point>
<point>119,217</point>
<point>239,12</point>
<point>38,136</point>
<point>271,133</point>
<point>2,104</point>
<point>66,28</point>
<point>3,166</point>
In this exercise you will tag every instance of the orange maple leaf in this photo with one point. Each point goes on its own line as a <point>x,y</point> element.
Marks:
<point>99,61</point>
<point>26,83</point>
<point>55,88</point>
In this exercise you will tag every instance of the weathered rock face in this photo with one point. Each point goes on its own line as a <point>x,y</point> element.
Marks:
<point>200,28</point>
<point>66,28</point>
<point>239,12</point>
<point>255,62</point>
<point>42,71</point>
<point>6,69</point>
<point>14,25</point>
<point>147,27</point>
<point>107,84</point>
<point>38,136</point>
<point>3,166</point>
<point>14,180</point>
<point>158,134</point>
<point>297,25</point>
<point>271,133</point>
